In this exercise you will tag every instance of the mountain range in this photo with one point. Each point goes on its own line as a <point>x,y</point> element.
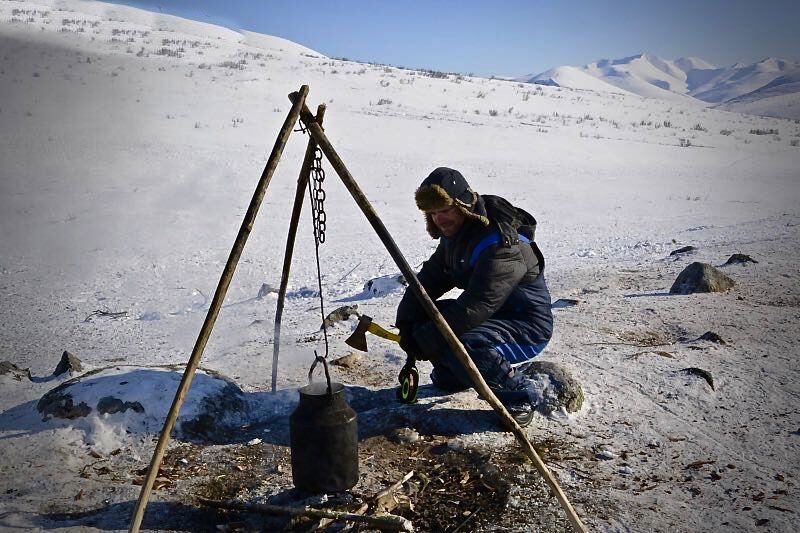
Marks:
<point>769,87</point>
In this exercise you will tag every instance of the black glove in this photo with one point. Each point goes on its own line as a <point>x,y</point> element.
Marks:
<point>407,342</point>
<point>429,340</point>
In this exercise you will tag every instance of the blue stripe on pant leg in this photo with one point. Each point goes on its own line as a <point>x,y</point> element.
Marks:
<point>494,359</point>
<point>517,354</point>
<point>501,348</point>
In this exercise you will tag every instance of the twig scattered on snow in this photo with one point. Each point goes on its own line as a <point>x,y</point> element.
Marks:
<point>629,344</point>
<point>467,519</point>
<point>578,472</point>
<point>205,298</point>
<point>386,500</point>
<point>349,272</point>
<point>657,352</point>
<point>387,521</point>
<point>102,313</point>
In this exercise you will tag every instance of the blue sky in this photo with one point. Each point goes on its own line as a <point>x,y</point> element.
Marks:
<point>512,37</point>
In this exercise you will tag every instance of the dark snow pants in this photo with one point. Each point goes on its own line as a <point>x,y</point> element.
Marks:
<point>507,338</point>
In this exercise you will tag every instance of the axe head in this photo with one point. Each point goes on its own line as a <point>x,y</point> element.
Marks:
<point>358,339</point>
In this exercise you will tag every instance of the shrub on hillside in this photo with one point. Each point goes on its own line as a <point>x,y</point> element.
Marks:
<point>759,131</point>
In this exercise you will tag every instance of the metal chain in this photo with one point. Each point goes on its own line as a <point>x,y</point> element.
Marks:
<point>316,195</point>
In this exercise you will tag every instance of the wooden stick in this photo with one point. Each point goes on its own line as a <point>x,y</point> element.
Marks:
<point>387,521</point>
<point>394,487</point>
<point>433,313</point>
<point>216,304</point>
<point>385,500</point>
<point>361,510</point>
<point>299,194</point>
<point>467,519</point>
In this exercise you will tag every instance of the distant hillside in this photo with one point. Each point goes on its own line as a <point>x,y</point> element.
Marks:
<point>686,79</point>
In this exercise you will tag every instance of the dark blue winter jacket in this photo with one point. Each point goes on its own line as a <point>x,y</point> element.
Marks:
<point>500,269</point>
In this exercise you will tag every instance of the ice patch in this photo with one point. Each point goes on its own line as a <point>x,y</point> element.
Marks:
<point>584,252</point>
<point>302,292</point>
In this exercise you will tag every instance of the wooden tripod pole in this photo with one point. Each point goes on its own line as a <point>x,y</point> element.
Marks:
<point>458,349</point>
<point>299,194</point>
<point>216,304</point>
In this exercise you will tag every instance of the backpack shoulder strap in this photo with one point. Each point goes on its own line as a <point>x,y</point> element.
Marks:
<point>495,238</point>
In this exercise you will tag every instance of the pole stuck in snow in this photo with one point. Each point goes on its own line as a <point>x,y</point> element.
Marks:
<point>483,389</point>
<point>216,304</point>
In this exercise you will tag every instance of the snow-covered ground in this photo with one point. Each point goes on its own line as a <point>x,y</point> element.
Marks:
<point>131,144</point>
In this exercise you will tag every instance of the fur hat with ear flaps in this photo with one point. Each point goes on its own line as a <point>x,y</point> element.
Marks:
<point>445,187</point>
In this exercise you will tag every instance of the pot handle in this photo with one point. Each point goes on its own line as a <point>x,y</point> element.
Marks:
<point>317,359</point>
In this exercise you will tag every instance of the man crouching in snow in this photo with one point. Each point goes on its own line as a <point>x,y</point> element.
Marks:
<point>503,317</point>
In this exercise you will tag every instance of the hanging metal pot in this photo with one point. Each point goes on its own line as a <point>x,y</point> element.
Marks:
<point>323,435</point>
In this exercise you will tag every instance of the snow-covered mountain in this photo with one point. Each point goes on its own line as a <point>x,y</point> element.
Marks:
<point>576,78</point>
<point>683,79</point>
<point>732,82</point>
<point>778,98</point>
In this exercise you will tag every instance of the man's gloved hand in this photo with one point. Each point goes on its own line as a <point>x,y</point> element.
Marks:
<point>429,341</point>
<point>407,342</point>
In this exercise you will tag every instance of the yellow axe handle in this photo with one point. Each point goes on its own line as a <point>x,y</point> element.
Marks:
<point>375,329</point>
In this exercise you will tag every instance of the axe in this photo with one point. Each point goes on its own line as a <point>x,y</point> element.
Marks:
<point>409,375</point>
<point>358,339</point>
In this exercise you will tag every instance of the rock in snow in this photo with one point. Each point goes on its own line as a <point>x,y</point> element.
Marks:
<point>403,435</point>
<point>701,277</point>
<point>739,259</point>
<point>265,290</point>
<point>7,368</point>
<point>109,405</point>
<point>347,361</point>
<point>560,389</point>
<point>705,374</point>
<point>712,337</point>
<point>340,314</point>
<point>69,363</point>
<point>561,303</point>
<point>684,250</point>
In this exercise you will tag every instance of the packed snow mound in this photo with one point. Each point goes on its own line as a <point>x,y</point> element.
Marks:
<point>574,78</point>
<point>111,402</point>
